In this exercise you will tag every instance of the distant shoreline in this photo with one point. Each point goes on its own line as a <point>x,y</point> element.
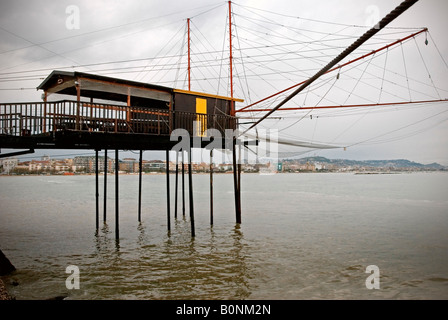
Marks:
<point>230,172</point>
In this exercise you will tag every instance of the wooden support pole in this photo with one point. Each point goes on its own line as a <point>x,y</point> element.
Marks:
<point>105,186</point>
<point>239,183</point>
<point>190,191</point>
<point>176,186</point>
<point>168,189</point>
<point>183,184</point>
<point>235,183</point>
<point>140,169</point>
<point>211,187</point>
<point>117,168</point>
<point>97,200</point>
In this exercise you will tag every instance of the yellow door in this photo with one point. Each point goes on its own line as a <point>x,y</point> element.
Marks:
<point>201,116</point>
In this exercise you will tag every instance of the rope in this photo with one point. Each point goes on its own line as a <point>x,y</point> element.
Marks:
<point>384,73</point>
<point>406,72</point>
<point>427,70</point>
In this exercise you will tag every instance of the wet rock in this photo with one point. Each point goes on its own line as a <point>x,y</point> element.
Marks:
<point>4,295</point>
<point>5,265</point>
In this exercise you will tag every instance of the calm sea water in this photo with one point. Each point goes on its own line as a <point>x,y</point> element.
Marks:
<point>303,236</point>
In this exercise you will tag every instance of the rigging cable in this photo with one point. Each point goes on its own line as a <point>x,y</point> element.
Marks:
<point>424,63</point>
<point>401,128</point>
<point>437,48</point>
<point>406,72</point>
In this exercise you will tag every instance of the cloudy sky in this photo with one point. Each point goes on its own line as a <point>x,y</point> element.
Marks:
<point>276,45</point>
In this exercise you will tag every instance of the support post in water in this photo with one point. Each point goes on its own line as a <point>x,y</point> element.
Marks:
<point>239,183</point>
<point>168,189</point>
<point>183,184</point>
<point>140,169</point>
<point>190,191</point>
<point>117,167</point>
<point>211,187</point>
<point>97,200</point>
<point>236,183</point>
<point>105,186</point>
<point>176,184</point>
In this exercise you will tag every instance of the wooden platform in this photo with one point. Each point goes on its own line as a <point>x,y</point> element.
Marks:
<point>80,125</point>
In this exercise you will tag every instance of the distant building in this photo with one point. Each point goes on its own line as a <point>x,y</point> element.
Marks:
<point>154,165</point>
<point>22,167</point>
<point>319,166</point>
<point>61,166</point>
<point>9,164</point>
<point>129,165</point>
<point>225,167</point>
<point>88,164</point>
<point>40,165</point>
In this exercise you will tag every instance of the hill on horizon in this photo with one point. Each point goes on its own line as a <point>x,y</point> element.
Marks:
<point>397,163</point>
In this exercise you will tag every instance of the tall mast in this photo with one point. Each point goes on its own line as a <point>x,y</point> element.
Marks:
<point>232,103</point>
<point>189,67</point>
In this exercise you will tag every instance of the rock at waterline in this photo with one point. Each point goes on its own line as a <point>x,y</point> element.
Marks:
<point>5,265</point>
<point>3,293</point>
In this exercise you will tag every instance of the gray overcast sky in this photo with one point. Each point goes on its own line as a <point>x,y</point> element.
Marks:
<point>277,44</point>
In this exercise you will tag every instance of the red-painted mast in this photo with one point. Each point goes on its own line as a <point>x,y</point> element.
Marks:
<point>232,103</point>
<point>349,105</point>
<point>189,67</point>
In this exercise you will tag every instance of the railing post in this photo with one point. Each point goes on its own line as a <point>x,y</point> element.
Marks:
<point>44,121</point>
<point>10,121</point>
<point>78,107</point>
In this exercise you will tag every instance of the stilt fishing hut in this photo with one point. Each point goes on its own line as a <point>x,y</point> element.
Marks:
<point>115,114</point>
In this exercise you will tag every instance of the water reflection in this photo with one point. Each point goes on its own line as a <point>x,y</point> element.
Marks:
<point>141,234</point>
<point>175,266</point>
<point>102,239</point>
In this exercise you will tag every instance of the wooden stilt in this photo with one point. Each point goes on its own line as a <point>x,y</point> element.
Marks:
<point>105,186</point>
<point>168,189</point>
<point>140,169</point>
<point>235,183</point>
<point>117,167</point>
<point>97,199</point>
<point>239,183</point>
<point>176,186</point>
<point>190,190</point>
<point>211,187</point>
<point>183,184</point>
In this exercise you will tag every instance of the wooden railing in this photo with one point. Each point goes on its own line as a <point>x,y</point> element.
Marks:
<point>24,119</point>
